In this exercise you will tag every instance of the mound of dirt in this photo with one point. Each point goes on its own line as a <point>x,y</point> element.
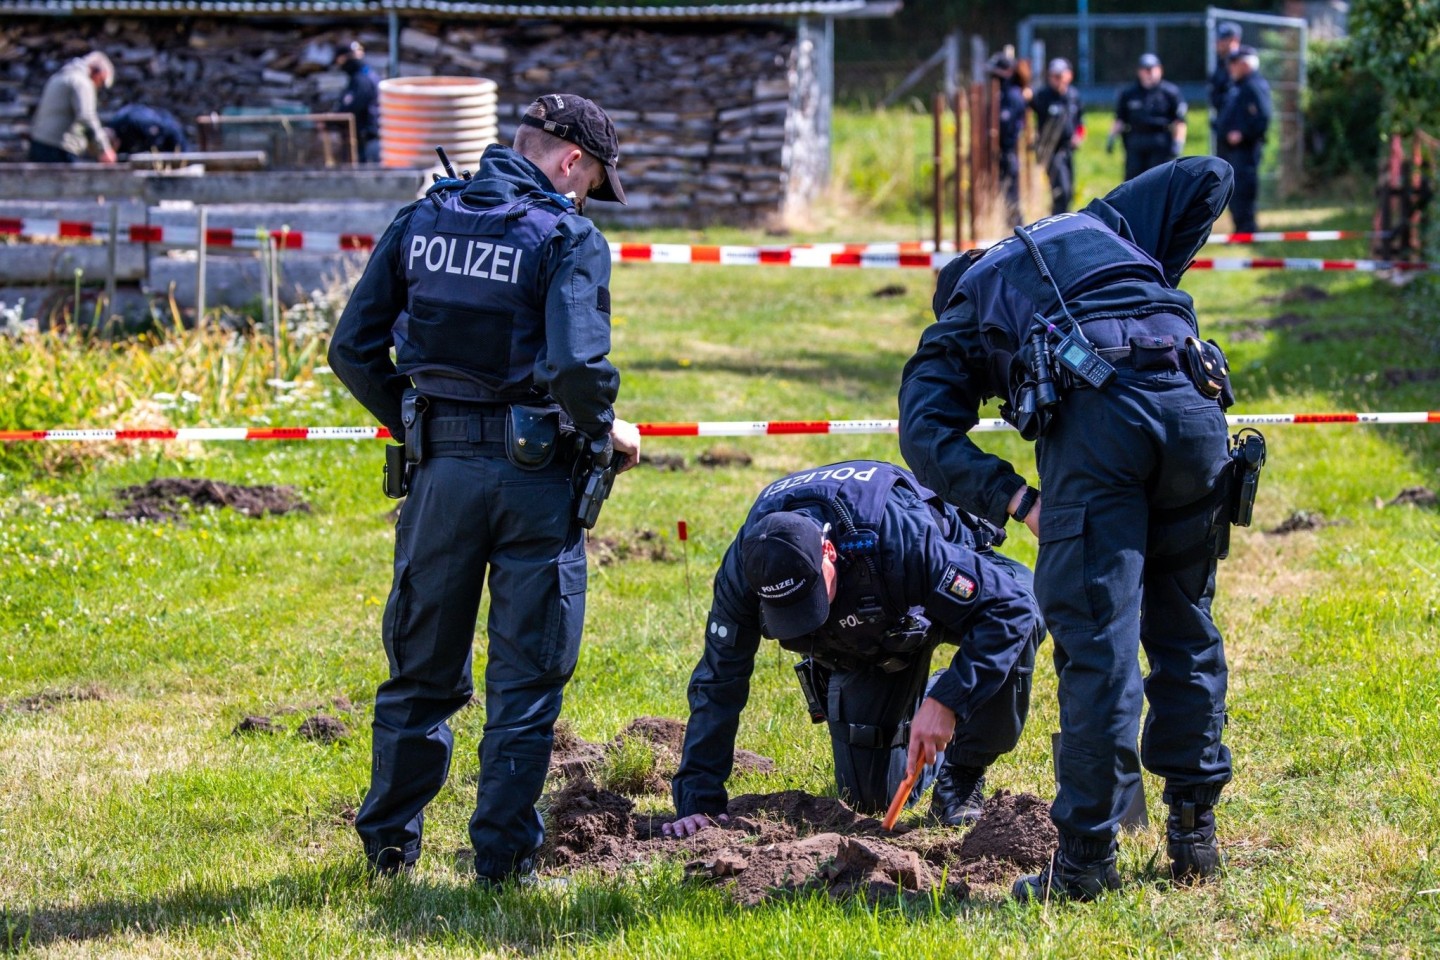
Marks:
<point>1305,293</point>
<point>779,844</point>
<point>888,291</point>
<point>669,462</point>
<point>255,724</point>
<point>1015,827</point>
<point>725,457</point>
<point>1300,520</point>
<point>47,700</point>
<point>1414,497</point>
<point>323,728</point>
<point>168,498</point>
<point>635,545</point>
<point>573,757</point>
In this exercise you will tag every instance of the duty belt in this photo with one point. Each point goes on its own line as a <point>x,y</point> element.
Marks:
<point>465,429</point>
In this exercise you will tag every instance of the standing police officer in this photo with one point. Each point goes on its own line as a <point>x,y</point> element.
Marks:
<point>1060,117</point>
<point>361,98</point>
<point>1011,123</point>
<point>1227,41</point>
<point>863,571</point>
<point>494,294</point>
<point>1150,114</point>
<point>1133,474</point>
<point>1240,133</point>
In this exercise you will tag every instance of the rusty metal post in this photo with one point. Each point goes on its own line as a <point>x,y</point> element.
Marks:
<point>937,160</point>
<point>977,166</point>
<point>958,104</point>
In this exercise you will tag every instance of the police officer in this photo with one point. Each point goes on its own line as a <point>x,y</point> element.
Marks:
<point>1060,119</point>
<point>138,128</point>
<point>1010,123</point>
<point>494,294</point>
<point>1150,115</point>
<point>1227,41</point>
<point>1133,476</point>
<point>1240,133</point>
<point>863,571</point>
<point>361,98</point>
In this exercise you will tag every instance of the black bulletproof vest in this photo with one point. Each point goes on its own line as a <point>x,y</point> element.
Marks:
<point>474,318</point>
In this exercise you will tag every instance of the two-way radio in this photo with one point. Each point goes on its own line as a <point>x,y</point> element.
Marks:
<point>1073,350</point>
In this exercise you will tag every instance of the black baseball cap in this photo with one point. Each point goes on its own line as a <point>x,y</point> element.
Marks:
<point>1229,31</point>
<point>572,117</point>
<point>1148,60</point>
<point>782,564</point>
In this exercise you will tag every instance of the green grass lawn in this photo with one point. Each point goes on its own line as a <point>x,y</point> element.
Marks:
<point>133,823</point>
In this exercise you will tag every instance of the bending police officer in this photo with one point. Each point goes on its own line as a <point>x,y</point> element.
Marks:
<point>863,571</point>
<point>1150,114</point>
<point>494,294</point>
<point>1133,470</point>
<point>1240,131</point>
<point>1060,117</point>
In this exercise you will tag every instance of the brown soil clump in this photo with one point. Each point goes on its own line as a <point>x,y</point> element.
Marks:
<point>574,757</point>
<point>168,498</point>
<point>47,700</point>
<point>1398,376</point>
<point>1305,293</point>
<point>725,457</point>
<point>779,844</point>
<point>1414,497</point>
<point>1301,520</point>
<point>888,291</point>
<point>323,728</point>
<point>1015,827</point>
<point>644,545</point>
<point>254,725</point>
<point>669,462</point>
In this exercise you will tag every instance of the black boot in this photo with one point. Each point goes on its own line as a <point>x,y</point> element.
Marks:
<point>1065,879</point>
<point>959,795</point>
<point>1190,841</point>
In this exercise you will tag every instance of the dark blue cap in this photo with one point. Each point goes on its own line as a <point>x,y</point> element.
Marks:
<point>1148,60</point>
<point>783,553</point>
<point>1229,31</point>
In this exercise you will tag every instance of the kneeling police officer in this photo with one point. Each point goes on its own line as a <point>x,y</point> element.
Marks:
<point>493,292</point>
<point>863,571</point>
<point>1078,323</point>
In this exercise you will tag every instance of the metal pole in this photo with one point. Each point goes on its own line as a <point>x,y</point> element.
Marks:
<point>110,256</point>
<point>200,255</point>
<point>959,106</point>
<point>1086,73</point>
<point>393,66</point>
<point>937,156</point>
<point>275,301</point>
<point>975,165</point>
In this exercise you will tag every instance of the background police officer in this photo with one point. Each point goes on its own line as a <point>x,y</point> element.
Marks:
<point>1150,115</point>
<point>1060,119</point>
<point>1227,41</point>
<point>1011,123</point>
<point>138,128</point>
<point>493,293</point>
<point>361,98</point>
<point>1132,480</point>
<point>1240,133</point>
<point>864,571</point>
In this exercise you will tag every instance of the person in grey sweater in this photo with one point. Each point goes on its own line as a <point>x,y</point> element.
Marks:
<point>66,125</point>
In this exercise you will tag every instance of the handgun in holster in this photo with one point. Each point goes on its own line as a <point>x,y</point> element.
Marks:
<point>1247,454</point>
<point>401,459</point>
<point>597,466</point>
<point>815,685</point>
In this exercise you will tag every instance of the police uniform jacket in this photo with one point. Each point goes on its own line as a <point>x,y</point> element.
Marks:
<point>139,128</point>
<point>1247,109</point>
<point>1058,116</point>
<point>1012,114</point>
<point>1149,114</point>
<point>1117,262</point>
<point>1219,86</point>
<point>906,560</point>
<point>492,291</point>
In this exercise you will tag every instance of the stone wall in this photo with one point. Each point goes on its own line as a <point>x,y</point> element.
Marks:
<point>718,125</point>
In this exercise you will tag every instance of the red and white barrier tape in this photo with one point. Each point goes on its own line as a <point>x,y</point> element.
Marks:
<point>919,254</point>
<point>701,428</point>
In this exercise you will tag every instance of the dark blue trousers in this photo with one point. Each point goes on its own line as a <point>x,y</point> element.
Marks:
<point>867,774</point>
<point>1111,463</point>
<point>1140,158</point>
<point>469,517</point>
<point>1246,162</point>
<point>1061,171</point>
<point>1010,185</point>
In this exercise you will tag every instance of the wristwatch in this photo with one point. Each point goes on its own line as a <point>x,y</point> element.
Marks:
<point>1027,500</point>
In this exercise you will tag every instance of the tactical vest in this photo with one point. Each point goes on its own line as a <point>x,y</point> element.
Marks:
<point>1112,287</point>
<point>474,318</point>
<point>865,623</point>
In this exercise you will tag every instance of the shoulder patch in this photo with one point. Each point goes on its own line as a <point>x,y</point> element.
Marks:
<point>958,585</point>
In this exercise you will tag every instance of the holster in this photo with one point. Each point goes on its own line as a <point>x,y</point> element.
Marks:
<point>532,435</point>
<point>400,459</point>
<point>815,685</point>
<point>1209,370</point>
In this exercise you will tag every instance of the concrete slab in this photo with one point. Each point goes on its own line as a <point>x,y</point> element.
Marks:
<point>368,217</point>
<point>237,280</point>
<point>45,263</point>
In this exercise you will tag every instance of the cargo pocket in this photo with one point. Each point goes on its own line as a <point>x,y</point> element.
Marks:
<point>567,619</point>
<point>1062,579</point>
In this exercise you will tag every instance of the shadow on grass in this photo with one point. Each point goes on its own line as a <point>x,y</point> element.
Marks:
<point>853,375</point>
